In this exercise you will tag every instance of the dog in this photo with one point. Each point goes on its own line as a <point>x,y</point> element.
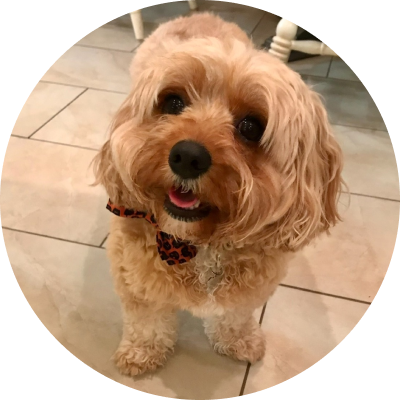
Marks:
<point>220,163</point>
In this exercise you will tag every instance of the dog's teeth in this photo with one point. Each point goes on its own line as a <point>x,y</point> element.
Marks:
<point>196,205</point>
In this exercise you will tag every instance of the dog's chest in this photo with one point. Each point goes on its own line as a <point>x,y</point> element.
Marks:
<point>209,268</point>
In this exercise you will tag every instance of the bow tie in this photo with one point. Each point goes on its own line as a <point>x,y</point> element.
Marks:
<point>174,252</point>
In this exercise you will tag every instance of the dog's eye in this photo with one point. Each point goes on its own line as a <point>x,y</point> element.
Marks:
<point>173,104</point>
<point>251,129</point>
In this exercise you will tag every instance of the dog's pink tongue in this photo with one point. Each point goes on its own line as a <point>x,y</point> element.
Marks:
<point>181,199</point>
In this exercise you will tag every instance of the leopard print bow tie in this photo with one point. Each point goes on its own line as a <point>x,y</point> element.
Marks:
<point>174,252</point>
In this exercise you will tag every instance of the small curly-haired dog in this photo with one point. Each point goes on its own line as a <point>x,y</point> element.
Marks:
<point>220,162</point>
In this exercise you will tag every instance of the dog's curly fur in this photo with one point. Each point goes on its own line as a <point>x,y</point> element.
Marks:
<point>267,199</point>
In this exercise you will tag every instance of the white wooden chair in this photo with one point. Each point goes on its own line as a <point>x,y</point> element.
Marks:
<point>283,43</point>
<point>137,21</point>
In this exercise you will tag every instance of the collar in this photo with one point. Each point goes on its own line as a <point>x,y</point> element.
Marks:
<point>173,251</point>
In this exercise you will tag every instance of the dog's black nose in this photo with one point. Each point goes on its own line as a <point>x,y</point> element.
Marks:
<point>189,159</point>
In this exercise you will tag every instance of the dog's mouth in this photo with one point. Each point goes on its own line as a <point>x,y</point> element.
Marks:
<point>185,206</point>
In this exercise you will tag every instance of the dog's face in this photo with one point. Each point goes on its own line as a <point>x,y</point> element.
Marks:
<point>224,143</point>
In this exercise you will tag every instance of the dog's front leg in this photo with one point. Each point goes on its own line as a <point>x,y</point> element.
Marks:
<point>236,334</point>
<point>149,335</point>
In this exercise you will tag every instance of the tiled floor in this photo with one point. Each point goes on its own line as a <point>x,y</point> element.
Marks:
<point>55,225</point>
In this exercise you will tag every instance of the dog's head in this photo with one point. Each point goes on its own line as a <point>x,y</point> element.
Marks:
<point>224,143</point>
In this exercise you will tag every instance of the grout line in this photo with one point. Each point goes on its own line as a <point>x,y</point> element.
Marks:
<point>324,294</point>
<point>40,127</point>
<point>329,68</point>
<point>256,26</point>
<point>84,87</point>
<point>51,237</point>
<point>49,141</point>
<point>374,197</point>
<point>107,90</point>
<point>246,374</point>
<point>101,48</point>
<point>262,314</point>
<point>19,136</point>
<point>65,144</point>
<point>359,127</point>
<point>101,244</point>
<point>330,78</point>
<point>137,46</point>
<point>63,84</point>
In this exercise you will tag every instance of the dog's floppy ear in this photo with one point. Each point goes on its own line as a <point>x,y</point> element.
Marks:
<point>104,168</point>
<point>330,152</point>
<point>316,174</point>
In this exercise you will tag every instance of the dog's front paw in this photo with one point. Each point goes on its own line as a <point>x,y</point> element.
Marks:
<point>133,360</point>
<point>246,344</point>
<point>249,348</point>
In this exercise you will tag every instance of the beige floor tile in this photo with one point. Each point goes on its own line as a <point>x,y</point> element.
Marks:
<point>265,29</point>
<point>154,16</point>
<point>301,328</point>
<point>43,103</point>
<point>353,260</point>
<point>45,189</point>
<point>340,70</point>
<point>93,68</point>
<point>166,11</point>
<point>246,17</point>
<point>369,162</point>
<point>111,37</point>
<point>348,103</point>
<point>85,122</point>
<point>315,66</point>
<point>70,289</point>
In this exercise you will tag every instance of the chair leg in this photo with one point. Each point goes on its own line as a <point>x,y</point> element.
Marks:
<point>282,41</point>
<point>137,22</point>
<point>192,4</point>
